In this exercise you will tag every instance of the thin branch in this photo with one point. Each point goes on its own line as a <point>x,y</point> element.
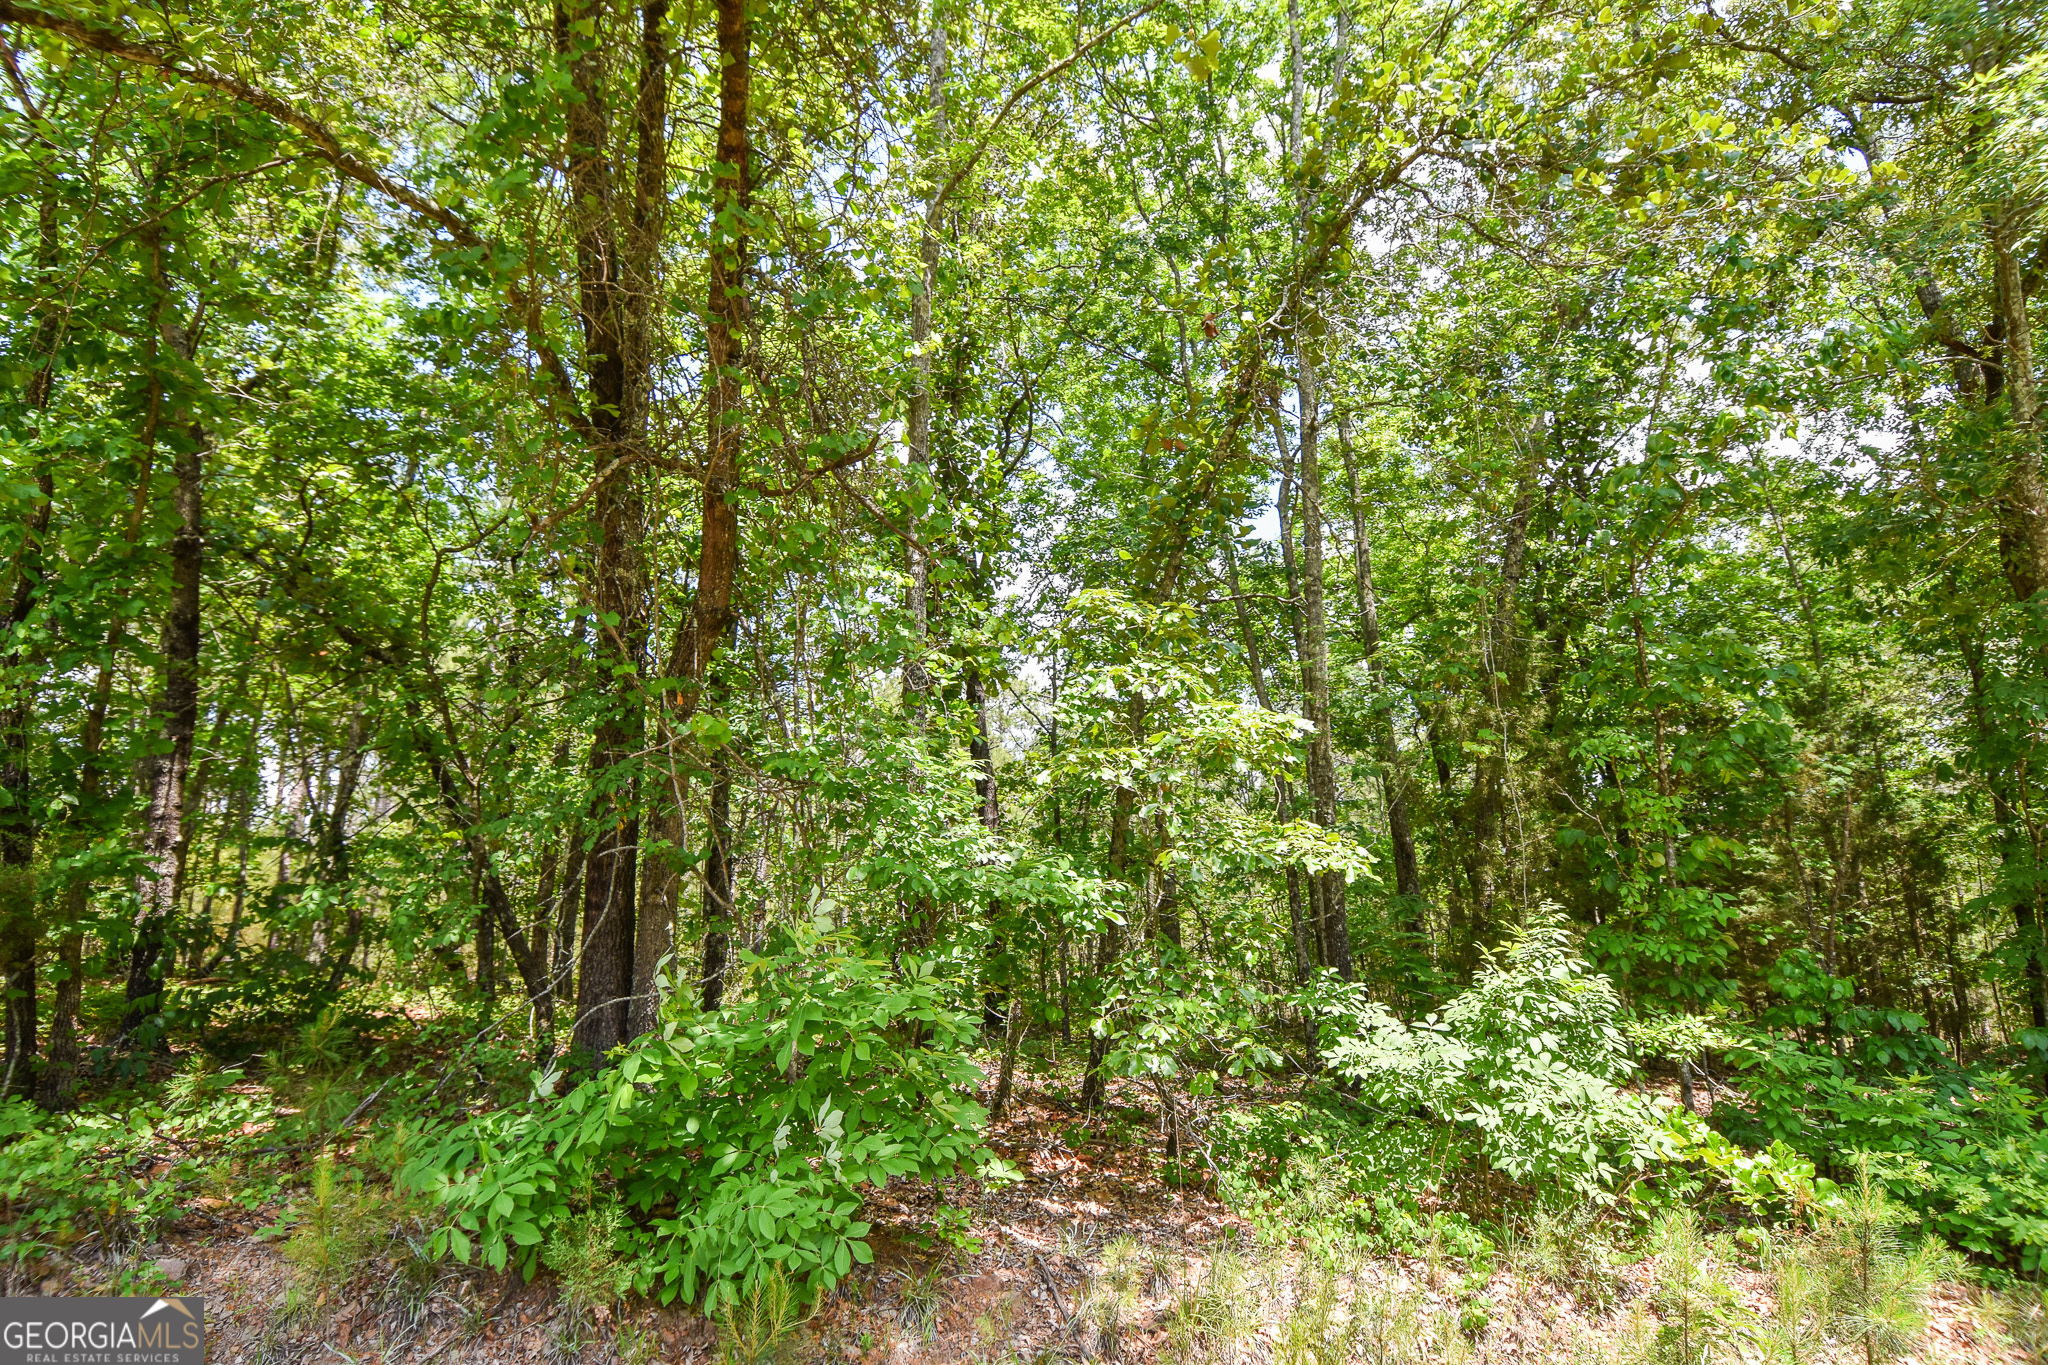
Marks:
<point>974,157</point>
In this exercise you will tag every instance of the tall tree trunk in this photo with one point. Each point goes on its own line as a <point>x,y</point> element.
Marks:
<point>2023,541</point>
<point>918,421</point>
<point>661,865</point>
<point>718,562</point>
<point>613,287</point>
<point>1393,776</point>
<point>1334,928</point>
<point>332,851</point>
<point>176,714</point>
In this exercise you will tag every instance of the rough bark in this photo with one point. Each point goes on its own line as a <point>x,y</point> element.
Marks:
<point>2023,522</point>
<point>613,290</point>
<point>718,561</point>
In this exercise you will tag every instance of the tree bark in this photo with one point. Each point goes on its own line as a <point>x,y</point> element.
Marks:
<point>2023,530</point>
<point>718,562</point>
<point>176,714</point>
<point>613,288</point>
<point>1334,928</point>
<point>661,868</point>
<point>1394,777</point>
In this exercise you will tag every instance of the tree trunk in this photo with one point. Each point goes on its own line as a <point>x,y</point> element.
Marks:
<point>718,916</point>
<point>333,850</point>
<point>661,880</point>
<point>2023,530</point>
<point>1094,1082</point>
<point>718,561</point>
<point>1333,928</point>
<point>612,304</point>
<point>18,923</point>
<point>1013,1035</point>
<point>917,424</point>
<point>1393,776</point>
<point>177,717</point>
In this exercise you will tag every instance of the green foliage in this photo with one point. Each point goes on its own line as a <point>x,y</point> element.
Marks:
<point>336,1228</point>
<point>1527,1064</point>
<point>1973,1136</point>
<point>756,1327</point>
<point>1695,1303</point>
<point>1875,1287</point>
<point>733,1143</point>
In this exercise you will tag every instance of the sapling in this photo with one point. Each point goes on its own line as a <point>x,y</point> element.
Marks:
<point>1692,1297</point>
<point>1876,1288</point>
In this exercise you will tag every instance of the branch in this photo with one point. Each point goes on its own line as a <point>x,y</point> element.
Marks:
<point>810,476</point>
<point>974,157</point>
<point>881,518</point>
<point>326,144</point>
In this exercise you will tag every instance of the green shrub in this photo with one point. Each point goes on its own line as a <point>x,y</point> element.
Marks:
<point>1527,1064</point>
<point>1975,1134</point>
<point>67,1175</point>
<point>736,1141</point>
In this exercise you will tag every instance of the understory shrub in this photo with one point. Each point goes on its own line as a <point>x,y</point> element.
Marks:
<point>119,1168</point>
<point>1526,1066</point>
<point>736,1141</point>
<point>1978,1174</point>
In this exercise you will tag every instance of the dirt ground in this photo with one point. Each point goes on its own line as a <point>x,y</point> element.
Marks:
<point>1014,1279</point>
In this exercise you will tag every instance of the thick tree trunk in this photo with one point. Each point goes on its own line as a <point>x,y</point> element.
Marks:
<point>613,301</point>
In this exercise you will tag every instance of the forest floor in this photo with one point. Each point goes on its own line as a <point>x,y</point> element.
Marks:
<point>1019,1274</point>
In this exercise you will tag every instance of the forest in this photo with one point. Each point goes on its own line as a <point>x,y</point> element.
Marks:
<point>1222,682</point>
